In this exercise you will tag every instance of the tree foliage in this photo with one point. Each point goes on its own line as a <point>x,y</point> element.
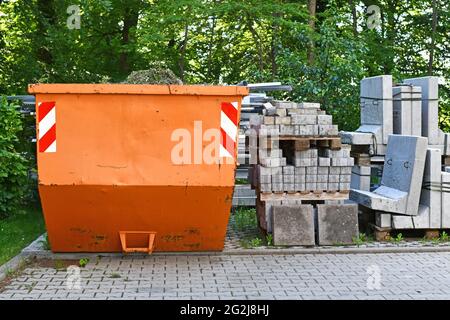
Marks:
<point>14,166</point>
<point>227,41</point>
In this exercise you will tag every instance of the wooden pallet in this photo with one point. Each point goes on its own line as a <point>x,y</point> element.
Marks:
<point>306,195</point>
<point>304,142</point>
<point>386,234</point>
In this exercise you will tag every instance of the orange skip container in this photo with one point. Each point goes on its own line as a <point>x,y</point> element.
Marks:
<point>106,169</point>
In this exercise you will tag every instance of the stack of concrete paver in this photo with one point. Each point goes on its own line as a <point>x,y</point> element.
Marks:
<point>297,158</point>
<point>298,150</point>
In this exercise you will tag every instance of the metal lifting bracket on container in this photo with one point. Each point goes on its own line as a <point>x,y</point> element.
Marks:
<point>151,241</point>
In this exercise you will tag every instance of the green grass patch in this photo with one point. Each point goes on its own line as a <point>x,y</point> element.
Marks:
<point>241,181</point>
<point>245,218</point>
<point>18,231</point>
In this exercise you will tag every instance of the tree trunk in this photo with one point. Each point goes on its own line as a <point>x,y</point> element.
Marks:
<point>312,4</point>
<point>181,62</point>
<point>274,46</point>
<point>130,21</point>
<point>258,44</point>
<point>354,17</point>
<point>433,39</point>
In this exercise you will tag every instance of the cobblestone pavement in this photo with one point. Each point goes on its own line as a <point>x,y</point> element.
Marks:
<point>323,276</point>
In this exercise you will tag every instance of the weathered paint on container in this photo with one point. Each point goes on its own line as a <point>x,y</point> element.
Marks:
<point>112,169</point>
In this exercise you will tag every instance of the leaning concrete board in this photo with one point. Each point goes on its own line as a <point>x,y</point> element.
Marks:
<point>407,110</point>
<point>337,223</point>
<point>376,104</point>
<point>293,225</point>
<point>430,96</point>
<point>431,197</point>
<point>404,167</point>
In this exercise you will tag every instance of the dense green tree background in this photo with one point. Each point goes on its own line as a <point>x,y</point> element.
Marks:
<point>322,48</point>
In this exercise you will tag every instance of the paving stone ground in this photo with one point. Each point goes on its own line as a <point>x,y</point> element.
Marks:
<point>309,276</point>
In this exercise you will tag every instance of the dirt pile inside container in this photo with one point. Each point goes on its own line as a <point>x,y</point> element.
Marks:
<point>153,76</point>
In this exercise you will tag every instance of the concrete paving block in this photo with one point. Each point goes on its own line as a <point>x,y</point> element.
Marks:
<point>311,170</point>
<point>343,186</point>
<point>335,170</point>
<point>311,177</point>
<point>277,178</point>
<point>299,186</point>
<point>431,176</point>
<point>286,129</point>
<point>265,179</point>
<point>339,162</point>
<point>344,178</point>
<point>402,222</point>
<point>300,178</point>
<point>325,119</point>
<point>356,138</point>
<point>266,187</point>
<point>288,170</point>
<point>323,170</point>
<point>277,187</point>
<point>324,162</point>
<point>310,162</point>
<point>293,225</point>
<point>304,119</point>
<point>300,170</point>
<point>383,220</point>
<point>327,130</point>
<point>270,153</point>
<point>310,186</point>
<point>289,187</point>
<point>445,200</point>
<point>345,170</point>
<point>322,178</point>
<point>282,112</point>
<point>334,178</point>
<point>322,186</point>
<point>334,186</point>
<point>288,179</point>
<point>269,120</point>
<point>337,224</point>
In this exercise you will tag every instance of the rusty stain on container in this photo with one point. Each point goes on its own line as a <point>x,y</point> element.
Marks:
<point>112,168</point>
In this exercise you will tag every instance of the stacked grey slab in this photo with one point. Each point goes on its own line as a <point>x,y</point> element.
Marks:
<point>415,112</point>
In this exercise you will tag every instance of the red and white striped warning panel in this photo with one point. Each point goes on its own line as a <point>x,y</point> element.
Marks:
<point>47,126</point>
<point>228,129</point>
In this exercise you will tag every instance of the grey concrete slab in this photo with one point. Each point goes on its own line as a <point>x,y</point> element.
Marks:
<point>430,119</point>
<point>431,195</point>
<point>401,180</point>
<point>293,225</point>
<point>376,106</point>
<point>337,224</point>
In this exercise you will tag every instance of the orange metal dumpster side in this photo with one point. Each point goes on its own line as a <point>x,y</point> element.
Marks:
<point>113,169</point>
